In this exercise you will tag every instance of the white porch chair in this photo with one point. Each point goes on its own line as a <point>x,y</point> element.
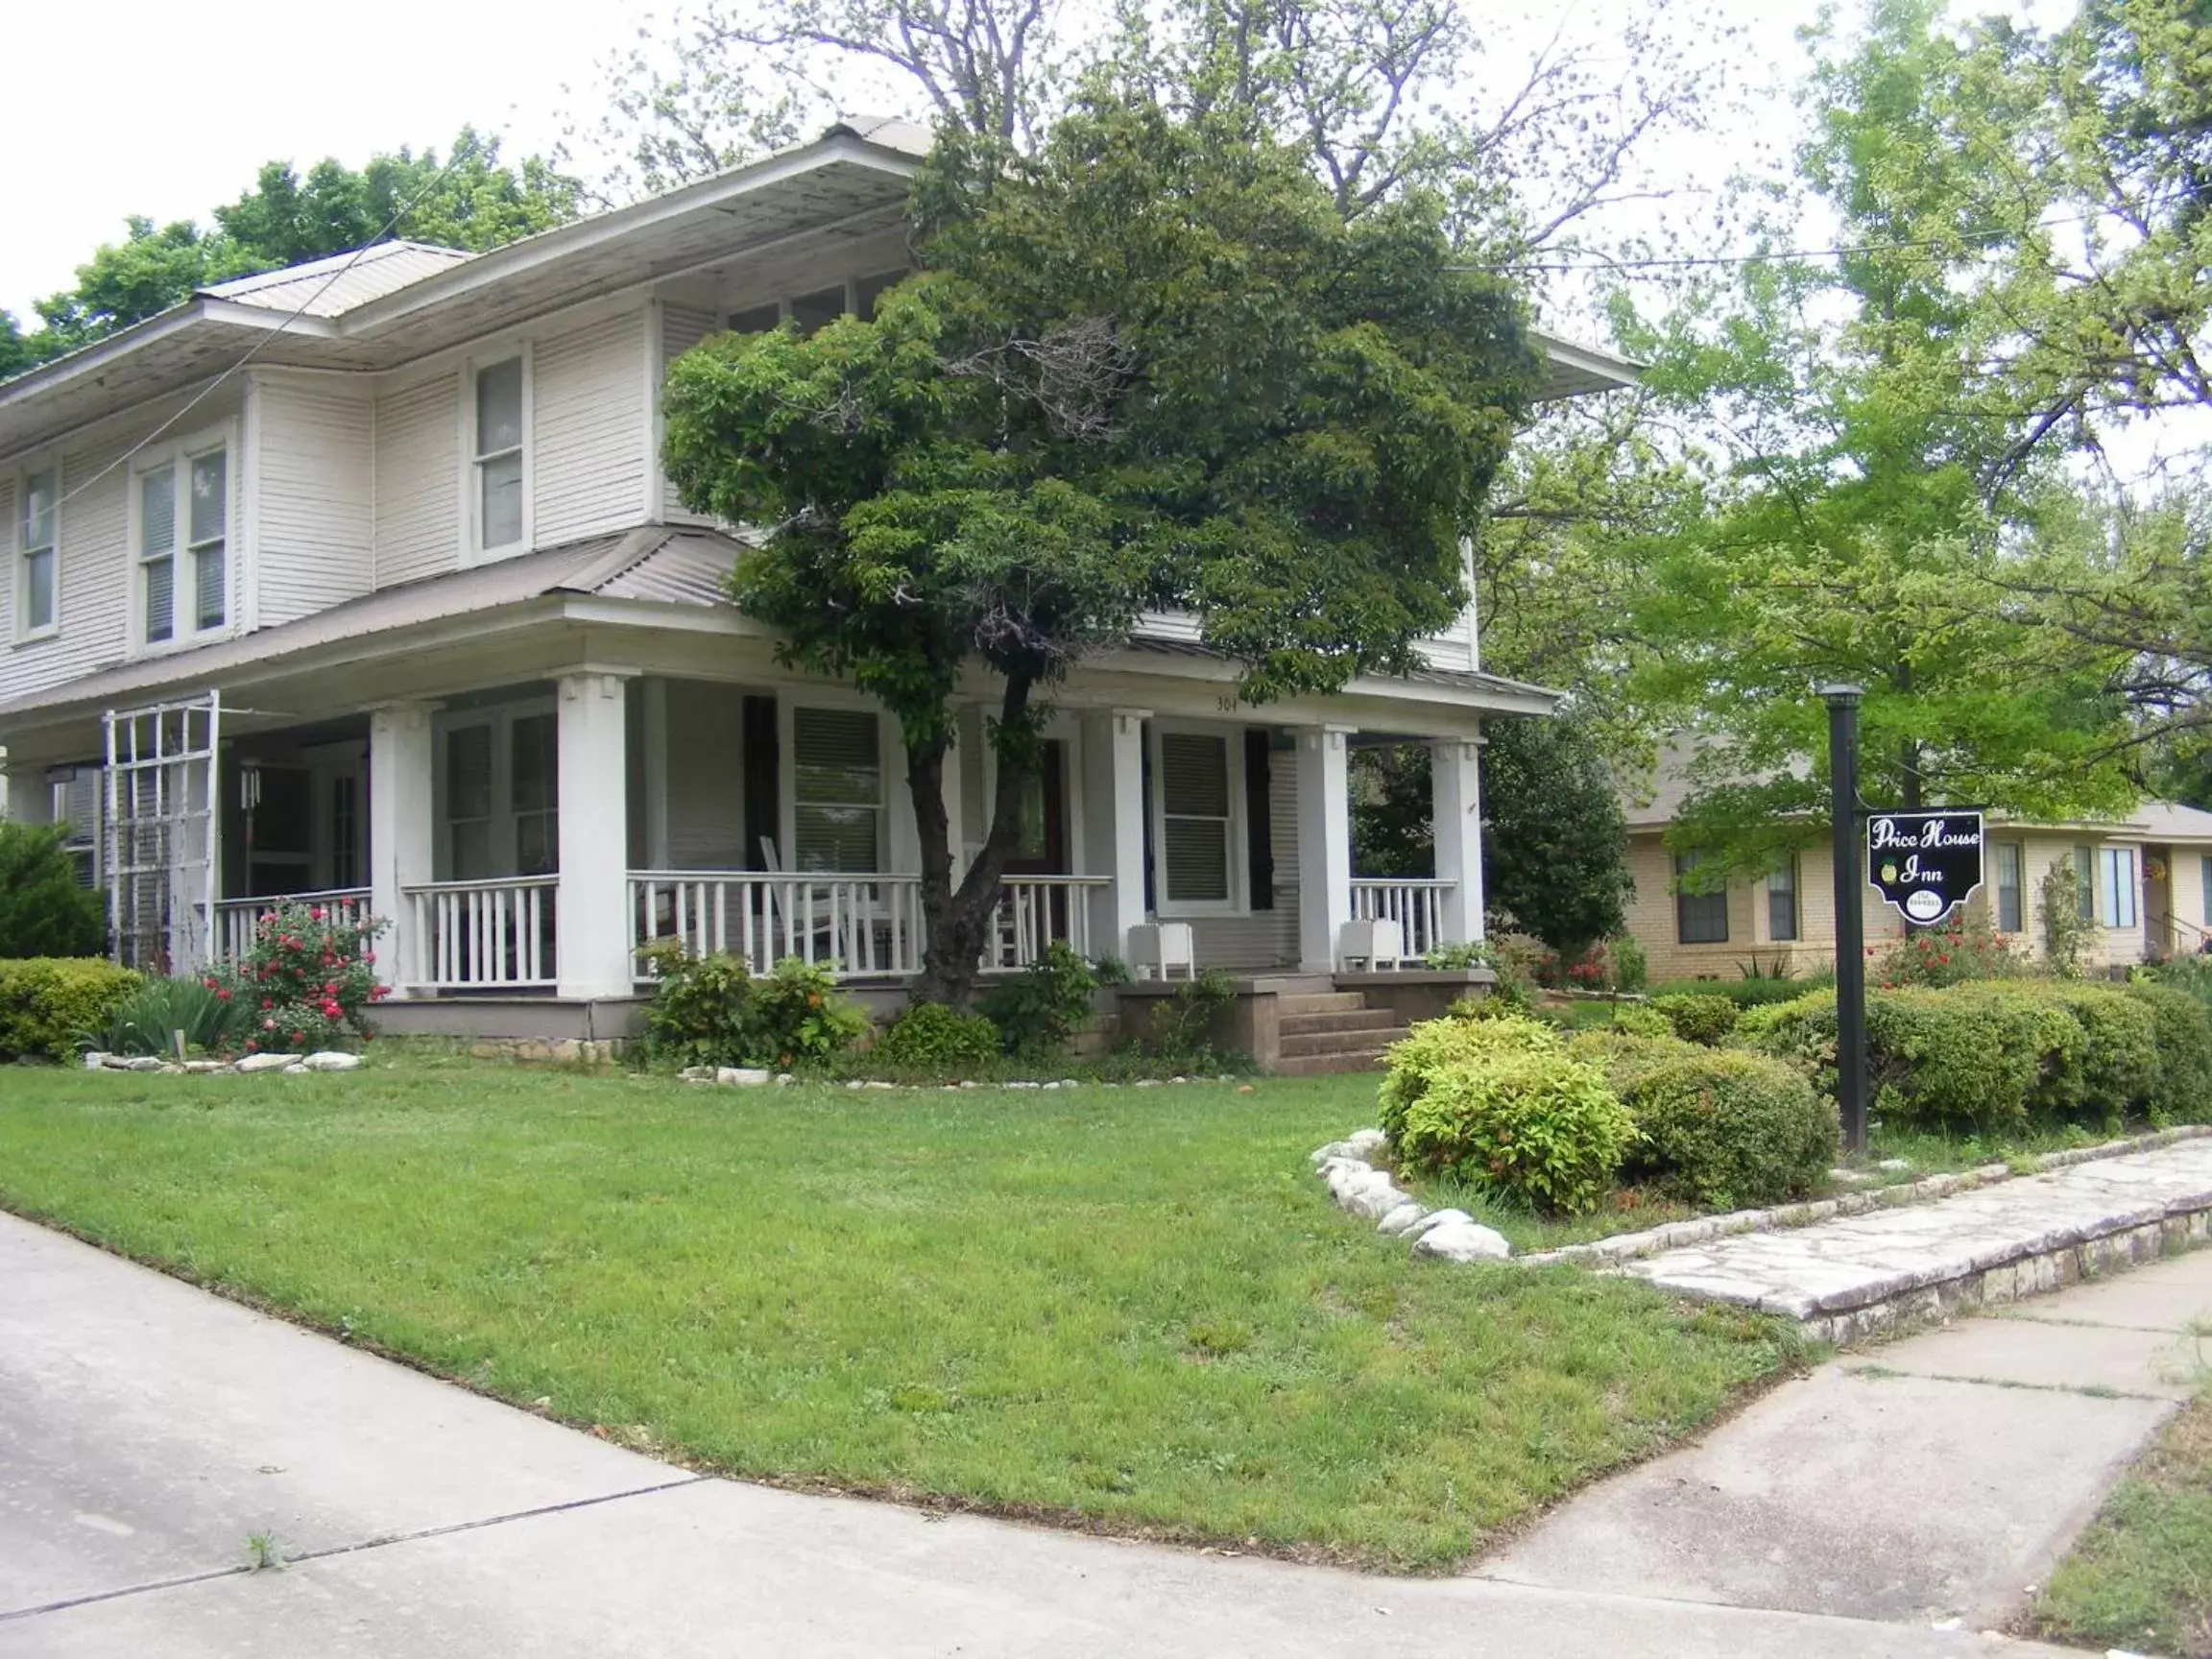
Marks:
<point>1377,941</point>
<point>1163,947</point>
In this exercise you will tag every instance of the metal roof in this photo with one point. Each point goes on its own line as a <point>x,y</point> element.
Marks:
<point>342,283</point>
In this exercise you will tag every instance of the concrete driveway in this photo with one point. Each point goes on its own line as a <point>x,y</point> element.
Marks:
<point>148,1428</point>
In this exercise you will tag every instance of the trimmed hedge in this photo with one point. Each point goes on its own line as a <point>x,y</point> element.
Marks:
<point>931,1037</point>
<point>48,1002</point>
<point>1433,1045</point>
<point>1530,1124</point>
<point>1987,1054</point>
<point>1729,1130</point>
<point>1699,1018</point>
<point>1746,993</point>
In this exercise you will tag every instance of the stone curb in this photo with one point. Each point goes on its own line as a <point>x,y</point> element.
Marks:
<point>285,1065</point>
<point>754,1076</point>
<point>1701,1229</point>
<point>1364,1190</point>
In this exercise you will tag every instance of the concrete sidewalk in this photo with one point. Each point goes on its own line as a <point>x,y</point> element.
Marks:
<point>1935,1478</point>
<point>146,1428</point>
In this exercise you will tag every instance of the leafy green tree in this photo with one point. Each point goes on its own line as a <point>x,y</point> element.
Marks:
<point>475,203</point>
<point>1151,367</point>
<point>44,909</point>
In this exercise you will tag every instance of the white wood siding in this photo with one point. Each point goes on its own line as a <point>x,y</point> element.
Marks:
<point>318,497</point>
<point>588,472</point>
<point>10,533</point>
<point>681,330</point>
<point>96,565</point>
<point>1262,938</point>
<point>418,489</point>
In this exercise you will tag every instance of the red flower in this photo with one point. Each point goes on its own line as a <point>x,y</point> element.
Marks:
<point>252,1044</point>
<point>1945,957</point>
<point>316,913</point>
<point>268,1025</point>
<point>221,995</point>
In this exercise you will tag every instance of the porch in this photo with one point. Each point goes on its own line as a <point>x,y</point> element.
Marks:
<point>539,838</point>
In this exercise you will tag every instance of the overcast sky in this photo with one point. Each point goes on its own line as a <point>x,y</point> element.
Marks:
<point>166,118</point>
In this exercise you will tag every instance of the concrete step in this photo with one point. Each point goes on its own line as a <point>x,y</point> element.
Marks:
<point>1319,1001</point>
<point>1369,1041</point>
<point>1338,1019</point>
<point>1322,1065</point>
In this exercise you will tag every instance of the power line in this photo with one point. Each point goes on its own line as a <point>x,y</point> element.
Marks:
<point>1687,261</point>
<point>461,153</point>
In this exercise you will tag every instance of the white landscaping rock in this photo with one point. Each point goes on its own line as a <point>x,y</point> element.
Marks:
<point>1400,1219</point>
<point>143,1063</point>
<point>1438,1218</point>
<point>747,1075</point>
<point>1463,1241</point>
<point>697,1074</point>
<point>94,1059</point>
<point>1334,1150</point>
<point>1365,1143</point>
<point>331,1060</point>
<point>266,1063</point>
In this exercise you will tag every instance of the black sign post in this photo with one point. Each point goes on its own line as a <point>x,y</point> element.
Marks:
<point>1924,864</point>
<point>1850,918</point>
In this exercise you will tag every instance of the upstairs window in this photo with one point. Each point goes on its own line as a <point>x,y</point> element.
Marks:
<point>1699,918</point>
<point>836,790</point>
<point>498,459</point>
<point>38,542</point>
<point>183,546</point>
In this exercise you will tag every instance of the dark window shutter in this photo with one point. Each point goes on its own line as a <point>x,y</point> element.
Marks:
<point>1258,820</point>
<point>763,809</point>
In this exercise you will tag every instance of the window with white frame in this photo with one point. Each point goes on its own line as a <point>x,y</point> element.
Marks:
<point>37,544</point>
<point>1782,899</point>
<point>1196,844</point>
<point>2010,896</point>
<point>836,790</point>
<point>498,454</point>
<point>1700,917</point>
<point>184,545</point>
<point>499,787</point>
<point>2086,882</point>
<point>2116,880</point>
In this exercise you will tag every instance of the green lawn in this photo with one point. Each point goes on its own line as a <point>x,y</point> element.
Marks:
<point>2141,1577</point>
<point>1129,1308</point>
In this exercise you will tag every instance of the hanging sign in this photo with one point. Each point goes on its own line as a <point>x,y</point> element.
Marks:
<point>1924,864</point>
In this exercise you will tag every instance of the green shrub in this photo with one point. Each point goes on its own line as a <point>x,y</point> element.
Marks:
<point>802,1017</point>
<point>702,1012</point>
<point>1977,1056</point>
<point>1433,1045</point>
<point>1182,1022</point>
<point>213,1020</point>
<point>307,981</point>
<point>1624,1057</point>
<point>1529,1125</point>
<point>1730,1130</point>
<point>1964,947</point>
<point>2189,973</point>
<point>1039,1009</point>
<point>1700,1019</point>
<point>1465,953</point>
<point>2182,1028</point>
<point>1746,990</point>
<point>1640,1020</point>
<point>2116,1075</point>
<point>932,1038</point>
<point>45,912</point>
<point>48,1002</point>
<point>1630,967</point>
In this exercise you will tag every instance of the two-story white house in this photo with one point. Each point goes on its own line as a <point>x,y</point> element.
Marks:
<point>361,579</point>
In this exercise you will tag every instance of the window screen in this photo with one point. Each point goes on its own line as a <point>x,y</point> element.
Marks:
<point>1699,918</point>
<point>2010,906</point>
<point>2117,871</point>
<point>500,453</point>
<point>1195,813</point>
<point>836,789</point>
<point>1781,901</point>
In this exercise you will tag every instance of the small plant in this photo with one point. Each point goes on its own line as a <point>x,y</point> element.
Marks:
<point>1754,969</point>
<point>1631,969</point>
<point>1966,948</point>
<point>308,981</point>
<point>2065,929</point>
<point>1699,1018</point>
<point>803,1019</point>
<point>49,1005</point>
<point>264,1553</point>
<point>1039,1009</point>
<point>1183,1019</point>
<point>928,1037</point>
<point>1453,958</point>
<point>702,1010</point>
<point>209,1014</point>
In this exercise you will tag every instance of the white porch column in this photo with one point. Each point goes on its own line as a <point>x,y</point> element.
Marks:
<point>1114,829</point>
<point>592,914</point>
<point>1324,845</point>
<point>400,829</point>
<point>1456,814</point>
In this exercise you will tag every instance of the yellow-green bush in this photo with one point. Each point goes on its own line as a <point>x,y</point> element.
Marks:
<point>1530,1124</point>
<point>1624,1056</point>
<point>48,1002</point>
<point>1727,1130</point>
<point>1434,1045</point>
<point>1698,1017</point>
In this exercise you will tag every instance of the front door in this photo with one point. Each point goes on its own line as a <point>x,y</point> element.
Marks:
<point>1043,847</point>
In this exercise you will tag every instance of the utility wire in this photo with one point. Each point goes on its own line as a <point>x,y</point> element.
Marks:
<point>1685,261</point>
<point>461,153</point>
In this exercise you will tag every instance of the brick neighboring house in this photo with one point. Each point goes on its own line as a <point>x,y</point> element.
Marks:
<point>2148,879</point>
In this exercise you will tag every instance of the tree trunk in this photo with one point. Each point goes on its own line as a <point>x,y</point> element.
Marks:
<point>957,922</point>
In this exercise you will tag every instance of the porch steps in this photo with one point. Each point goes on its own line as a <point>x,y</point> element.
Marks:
<point>1332,1031</point>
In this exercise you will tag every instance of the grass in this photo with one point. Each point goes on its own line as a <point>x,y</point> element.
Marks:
<point>2141,1577</point>
<point>1128,1310</point>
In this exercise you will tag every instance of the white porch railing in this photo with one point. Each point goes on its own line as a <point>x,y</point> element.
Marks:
<point>864,924</point>
<point>237,919</point>
<point>1415,904</point>
<point>496,935</point>
<point>1034,911</point>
